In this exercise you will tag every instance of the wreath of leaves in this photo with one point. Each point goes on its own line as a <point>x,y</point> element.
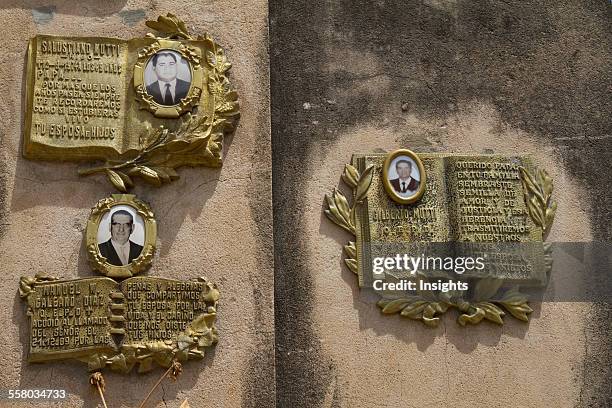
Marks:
<point>428,305</point>
<point>196,142</point>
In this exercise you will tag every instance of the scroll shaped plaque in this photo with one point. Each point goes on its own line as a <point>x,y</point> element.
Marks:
<point>141,321</point>
<point>446,209</point>
<point>143,106</point>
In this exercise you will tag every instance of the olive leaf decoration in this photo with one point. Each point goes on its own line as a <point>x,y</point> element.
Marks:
<point>170,25</point>
<point>338,209</point>
<point>428,305</point>
<point>538,198</point>
<point>196,142</point>
<point>343,215</point>
<point>351,260</point>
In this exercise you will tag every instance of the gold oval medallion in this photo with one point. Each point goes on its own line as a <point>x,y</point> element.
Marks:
<point>404,176</point>
<point>121,233</point>
<point>168,78</point>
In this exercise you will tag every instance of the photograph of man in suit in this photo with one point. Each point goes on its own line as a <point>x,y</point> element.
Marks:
<point>119,250</point>
<point>405,184</point>
<point>168,89</point>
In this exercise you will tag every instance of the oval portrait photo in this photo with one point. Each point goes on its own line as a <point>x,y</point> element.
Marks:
<point>167,77</point>
<point>404,176</point>
<point>121,235</point>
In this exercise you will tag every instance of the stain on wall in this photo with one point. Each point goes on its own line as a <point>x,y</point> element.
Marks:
<point>43,15</point>
<point>544,66</point>
<point>132,17</point>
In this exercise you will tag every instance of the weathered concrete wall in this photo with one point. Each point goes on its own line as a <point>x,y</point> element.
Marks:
<point>436,75</point>
<point>452,76</point>
<point>214,223</point>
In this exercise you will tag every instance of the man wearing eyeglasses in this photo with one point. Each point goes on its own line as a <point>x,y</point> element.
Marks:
<point>119,250</point>
<point>168,89</point>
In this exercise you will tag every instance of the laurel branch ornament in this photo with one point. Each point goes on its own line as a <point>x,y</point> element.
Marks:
<point>538,198</point>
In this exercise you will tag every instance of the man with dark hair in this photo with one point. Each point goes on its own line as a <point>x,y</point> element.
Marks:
<point>168,89</point>
<point>119,250</point>
<point>405,184</point>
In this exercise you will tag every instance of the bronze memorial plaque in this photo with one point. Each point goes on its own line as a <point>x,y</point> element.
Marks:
<point>144,106</point>
<point>435,231</point>
<point>139,108</point>
<point>140,321</point>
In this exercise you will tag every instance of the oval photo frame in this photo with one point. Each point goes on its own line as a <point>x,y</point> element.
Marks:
<point>389,185</point>
<point>140,262</point>
<point>183,105</point>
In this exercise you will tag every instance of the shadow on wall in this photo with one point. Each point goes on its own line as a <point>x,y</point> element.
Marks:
<point>544,67</point>
<point>43,12</point>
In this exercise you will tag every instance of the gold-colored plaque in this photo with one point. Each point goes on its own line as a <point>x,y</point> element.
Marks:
<point>141,321</point>
<point>120,235</point>
<point>143,106</point>
<point>108,323</point>
<point>495,209</point>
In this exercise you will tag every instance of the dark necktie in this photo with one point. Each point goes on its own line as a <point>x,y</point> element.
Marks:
<point>403,186</point>
<point>168,96</point>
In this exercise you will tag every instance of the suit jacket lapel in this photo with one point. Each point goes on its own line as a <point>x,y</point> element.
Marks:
<point>114,257</point>
<point>134,253</point>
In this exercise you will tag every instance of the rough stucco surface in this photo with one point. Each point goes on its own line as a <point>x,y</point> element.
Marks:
<point>212,222</point>
<point>451,76</point>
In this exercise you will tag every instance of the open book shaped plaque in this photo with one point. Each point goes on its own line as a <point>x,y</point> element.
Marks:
<point>476,219</point>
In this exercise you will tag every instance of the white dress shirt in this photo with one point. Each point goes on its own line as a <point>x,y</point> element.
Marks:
<point>122,250</point>
<point>162,87</point>
<point>407,181</point>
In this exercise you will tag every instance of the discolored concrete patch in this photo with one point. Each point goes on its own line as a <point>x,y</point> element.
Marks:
<point>43,15</point>
<point>132,17</point>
